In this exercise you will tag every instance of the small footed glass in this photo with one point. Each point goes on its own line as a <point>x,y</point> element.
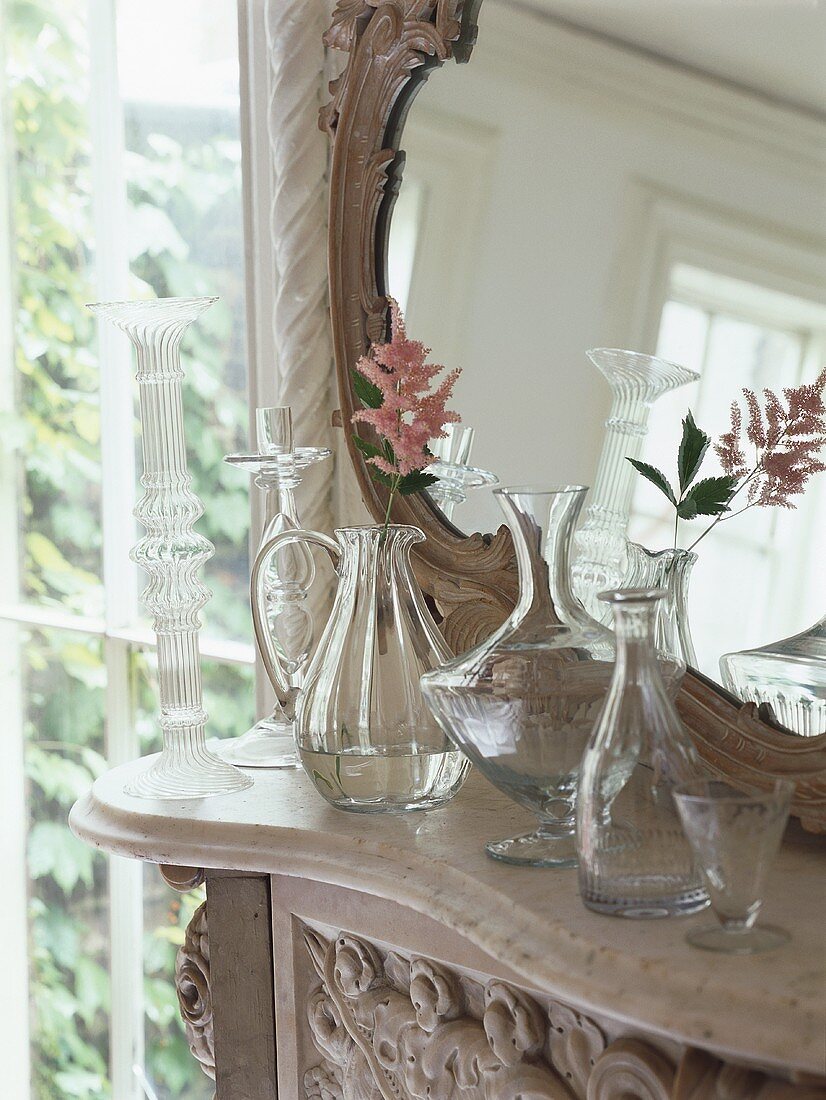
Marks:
<point>734,834</point>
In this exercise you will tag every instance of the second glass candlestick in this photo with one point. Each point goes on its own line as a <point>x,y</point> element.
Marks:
<point>278,466</point>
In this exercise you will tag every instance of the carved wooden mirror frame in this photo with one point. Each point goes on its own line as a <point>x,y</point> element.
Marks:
<point>392,46</point>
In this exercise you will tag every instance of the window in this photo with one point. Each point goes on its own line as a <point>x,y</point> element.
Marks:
<point>737,334</point>
<point>120,165</point>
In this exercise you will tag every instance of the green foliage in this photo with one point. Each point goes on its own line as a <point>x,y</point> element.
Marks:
<point>184,237</point>
<point>709,497</point>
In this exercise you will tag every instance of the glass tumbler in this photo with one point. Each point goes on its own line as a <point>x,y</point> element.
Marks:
<point>734,834</point>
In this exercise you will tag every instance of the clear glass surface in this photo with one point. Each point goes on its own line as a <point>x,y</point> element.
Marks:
<point>171,552</point>
<point>735,834</point>
<point>364,734</point>
<point>287,574</point>
<point>636,382</point>
<point>634,860</point>
<point>790,676</point>
<point>522,704</point>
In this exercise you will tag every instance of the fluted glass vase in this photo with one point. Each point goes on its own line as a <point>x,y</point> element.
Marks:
<point>669,570</point>
<point>790,676</point>
<point>523,703</point>
<point>171,552</point>
<point>636,382</point>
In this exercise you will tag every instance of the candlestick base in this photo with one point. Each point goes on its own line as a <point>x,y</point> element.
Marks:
<point>197,773</point>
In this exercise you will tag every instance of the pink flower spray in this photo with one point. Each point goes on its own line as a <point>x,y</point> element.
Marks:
<point>394,383</point>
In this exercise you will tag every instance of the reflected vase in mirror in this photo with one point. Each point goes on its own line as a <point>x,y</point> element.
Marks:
<point>636,382</point>
<point>634,860</point>
<point>669,569</point>
<point>523,703</point>
<point>364,734</point>
<point>790,676</point>
<point>286,577</point>
<point>451,466</point>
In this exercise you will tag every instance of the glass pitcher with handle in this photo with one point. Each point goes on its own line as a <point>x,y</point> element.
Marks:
<point>363,732</point>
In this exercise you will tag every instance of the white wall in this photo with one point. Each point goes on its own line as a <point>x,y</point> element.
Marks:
<point>569,134</point>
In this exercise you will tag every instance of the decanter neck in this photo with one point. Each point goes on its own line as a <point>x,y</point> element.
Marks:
<point>542,523</point>
<point>635,619</point>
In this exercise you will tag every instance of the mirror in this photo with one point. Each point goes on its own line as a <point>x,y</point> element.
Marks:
<point>641,176</point>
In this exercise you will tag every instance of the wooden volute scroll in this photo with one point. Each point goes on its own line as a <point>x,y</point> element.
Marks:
<point>392,45</point>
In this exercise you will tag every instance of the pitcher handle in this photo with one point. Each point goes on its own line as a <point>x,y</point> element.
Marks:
<point>285,693</point>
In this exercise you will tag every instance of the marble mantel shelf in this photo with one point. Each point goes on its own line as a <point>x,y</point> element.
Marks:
<point>769,1009</point>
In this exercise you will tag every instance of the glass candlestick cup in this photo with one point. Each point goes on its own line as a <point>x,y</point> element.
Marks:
<point>451,466</point>
<point>286,576</point>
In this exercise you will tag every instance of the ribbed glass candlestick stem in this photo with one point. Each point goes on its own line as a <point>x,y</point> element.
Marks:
<point>636,382</point>
<point>171,552</point>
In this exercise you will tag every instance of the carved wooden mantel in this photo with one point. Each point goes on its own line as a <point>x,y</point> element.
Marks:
<point>335,935</point>
<point>391,47</point>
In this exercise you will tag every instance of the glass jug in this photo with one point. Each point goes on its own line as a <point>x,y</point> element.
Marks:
<point>363,732</point>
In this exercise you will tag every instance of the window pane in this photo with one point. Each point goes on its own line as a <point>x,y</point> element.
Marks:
<point>57,425</point>
<point>185,233</point>
<point>62,722</point>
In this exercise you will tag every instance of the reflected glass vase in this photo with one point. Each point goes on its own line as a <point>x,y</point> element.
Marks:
<point>634,860</point>
<point>790,676</point>
<point>523,703</point>
<point>364,734</point>
<point>670,570</point>
<point>636,382</point>
<point>171,552</point>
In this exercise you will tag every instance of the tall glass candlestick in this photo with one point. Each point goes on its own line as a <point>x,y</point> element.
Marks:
<point>286,579</point>
<point>171,552</point>
<point>636,382</point>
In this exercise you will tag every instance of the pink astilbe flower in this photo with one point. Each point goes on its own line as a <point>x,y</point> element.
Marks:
<point>788,435</point>
<point>411,413</point>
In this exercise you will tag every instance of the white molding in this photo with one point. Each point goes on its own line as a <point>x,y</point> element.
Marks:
<point>562,60</point>
<point>453,160</point>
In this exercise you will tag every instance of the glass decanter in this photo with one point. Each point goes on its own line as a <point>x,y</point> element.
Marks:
<point>450,466</point>
<point>286,578</point>
<point>790,676</point>
<point>523,703</point>
<point>634,860</point>
<point>636,382</point>
<point>172,553</point>
<point>364,734</point>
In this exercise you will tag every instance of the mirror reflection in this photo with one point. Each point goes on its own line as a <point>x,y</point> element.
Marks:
<point>647,177</point>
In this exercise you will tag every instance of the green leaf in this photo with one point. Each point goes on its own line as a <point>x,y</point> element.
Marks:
<point>370,450</point>
<point>415,482</point>
<point>709,497</point>
<point>693,447</point>
<point>366,391</point>
<point>54,851</point>
<point>655,476</point>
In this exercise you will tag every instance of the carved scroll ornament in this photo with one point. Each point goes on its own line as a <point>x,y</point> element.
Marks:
<point>194,995</point>
<point>391,1027</point>
<point>391,46</point>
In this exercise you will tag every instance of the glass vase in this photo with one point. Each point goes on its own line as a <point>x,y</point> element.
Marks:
<point>636,382</point>
<point>278,466</point>
<point>669,569</point>
<point>634,860</point>
<point>790,676</point>
<point>522,704</point>
<point>364,735</point>
<point>172,553</point>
